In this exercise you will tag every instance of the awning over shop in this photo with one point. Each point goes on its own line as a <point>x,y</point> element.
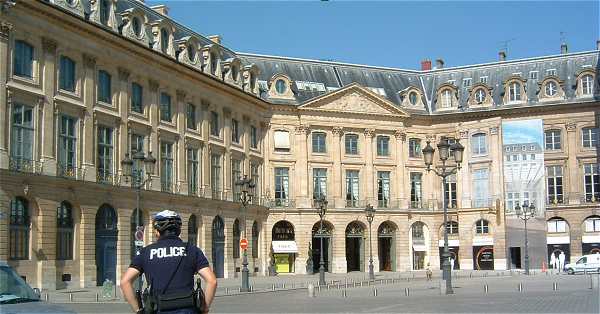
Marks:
<point>285,247</point>
<point>419,248</point>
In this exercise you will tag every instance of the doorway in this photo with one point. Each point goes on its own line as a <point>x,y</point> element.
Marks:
<point>317,237</point>
<point>218,246</point>
<point>106,244</point>
<point>355,246</point>
<point>386,248</point>
<point>515,257</point>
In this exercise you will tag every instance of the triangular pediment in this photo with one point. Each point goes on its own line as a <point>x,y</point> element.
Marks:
<point>354,98</point>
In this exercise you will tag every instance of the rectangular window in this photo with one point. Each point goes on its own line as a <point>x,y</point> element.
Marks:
<point>23,59</point>
<point>591,182</point>
<point>105,155</point>
<point>254,172</point>
<point>533,75</point>
<point>352,185</point>
<point>512,199</point>
<point>166,163</point>
<point>479,144</point>
<point>383,189</point>
<point>66,79</point>
<point>215,129</point>
<point>67,147</point>
<point>414,148</point>
<point>416,192</point>
<point>450,191</point>
<point>104,87</point>
<point>318,142</point>
<point>282,185</point>
<point>514,92</point>
<point>592,224</point>
<point>483,79</point>
<point>236,174</point>
<point>235,131</point>
<point>550,72</point>
<point>191,117</point>
<point>383,146</point>
<point>319,182</point>
<point>466,82</point>
<point>552,139</point>
<point>165,107</point>
<point>282,141</point>
<point>192,170</point>
<point>589,137</point>
<point>557,226</point>
<point>351,141</point>
<point>137,145</point>
<point>253,137</point>
<point>137,93</point>
<point>215,176</point>
<point>481,188</point>
<point>21,142</point>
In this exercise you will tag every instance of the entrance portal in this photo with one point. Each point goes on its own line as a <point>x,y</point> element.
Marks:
<point>106,244</point>
<point>284,246</point>
<point>354,246</point>
<point>386,246</point>
<point>218,246</point>
<point>317,238</point>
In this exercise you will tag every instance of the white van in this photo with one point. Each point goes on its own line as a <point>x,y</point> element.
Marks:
<point>586,263</point>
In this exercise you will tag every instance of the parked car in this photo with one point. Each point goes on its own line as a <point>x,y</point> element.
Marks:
<point>16,296</point>
<point>586,263</point>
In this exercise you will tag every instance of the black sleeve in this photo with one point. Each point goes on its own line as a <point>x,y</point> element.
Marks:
<point>138,261</point>
<point>201,260</point>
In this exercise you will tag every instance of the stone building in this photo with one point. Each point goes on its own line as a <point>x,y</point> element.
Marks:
<point>86,84</point>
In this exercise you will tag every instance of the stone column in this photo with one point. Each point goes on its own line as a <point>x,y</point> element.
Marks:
<point>89,100</point>
<point>575,188</point>
<point>153,143</point>
<point>47,146</point>
<point>336,172</point>
<point>369,180</point>
<point>301,175</point>
<point>5,28</point>
<point>400,183</point>
<point>46,244</point>
<point>181,145</point>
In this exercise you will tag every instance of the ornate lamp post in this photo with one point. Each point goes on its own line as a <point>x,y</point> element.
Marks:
<point>246,185</point>
<point>370,211</point>
<point>525,213</point>
<point>143,165</point>
<point>444,171</point>
<point>321,203</point>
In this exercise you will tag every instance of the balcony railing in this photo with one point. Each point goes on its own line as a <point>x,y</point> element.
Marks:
<point>106,177</point>
<point>557,200</point>
<point>281,203</point>
<point>167,187</point>
<point>70,172</point>
<point>24,165</point>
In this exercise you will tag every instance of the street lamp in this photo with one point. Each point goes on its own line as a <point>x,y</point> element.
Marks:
<point>443,171</point>
<point>525,213</point>
<point>321,203</point>
<point>246,185</point>
<point>143,164</point>
<point>370,211</point>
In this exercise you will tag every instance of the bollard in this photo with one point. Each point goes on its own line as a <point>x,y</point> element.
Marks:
<point>344,293</point>
<point>555,286</point>
<point>70,297</point>
<point>283,285</point>
<point>485,288</point>
<point>361,283</point>
<point>311,291</point>
<point>407,291</point>
<point>239,289</point>
<point>273,287</point>
<point>47,297</point>
<point>97,298</point>
<point>226,290</point>
<point>327,287</point>
<point>591,283</point>
<point>338,285</point>
<point>520,287</point>
<point>374,292</point>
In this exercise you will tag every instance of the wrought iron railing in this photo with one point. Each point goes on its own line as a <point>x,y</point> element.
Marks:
<point>70,172</point>
<point>106,177</point>
<point>24,165</point>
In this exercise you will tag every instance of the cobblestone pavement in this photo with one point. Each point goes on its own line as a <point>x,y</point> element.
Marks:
<point>573,295</point>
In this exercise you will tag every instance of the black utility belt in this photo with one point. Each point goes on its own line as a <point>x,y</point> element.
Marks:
<point>174,301</point>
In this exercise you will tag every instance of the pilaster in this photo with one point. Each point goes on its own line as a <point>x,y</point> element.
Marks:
<point>181,145</point>
<point>5,28</point>
<point>47,147</point>
<point>336,170</point>
<point>369,175</point>
<point>301,176</point>
<point>575,188</point>
<point>400,183</point>
<point>153,145</point>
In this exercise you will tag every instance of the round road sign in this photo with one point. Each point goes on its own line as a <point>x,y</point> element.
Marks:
<point>244,244</point>
<point>139,235</point>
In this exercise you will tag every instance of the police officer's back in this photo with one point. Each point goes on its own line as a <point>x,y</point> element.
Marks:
<point>169,265</point>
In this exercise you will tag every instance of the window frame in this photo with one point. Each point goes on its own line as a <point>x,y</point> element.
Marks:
<point>167,165</point>
<point>66,67</point>
<point>104,87</point>
<point>64,231</point>
<point>383,145</point>
<point>479,144</point>
<point>592,137</point>
<point>105,153</point>
<point>351,144</point>
<point>414,148</point>
<point>23,65</point>
<point>166,107</point>
<point>19,229</point>
<point>319,142</point>
<point>137,98</point>
<point>482,226</point>
<point>556,140</point>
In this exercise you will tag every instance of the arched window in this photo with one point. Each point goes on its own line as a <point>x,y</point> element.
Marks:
<point>479,144</point>
<point>137,27</point>
<point>64,231</point>
<point>480,95</point>
<point>587,84</point>
<point>104,11</point>
<point>482,226</point>
<point>452,227</point>
<point>551,88</point>
<point>255,234</point>
<point>191,51</point>
<point>137,220</point>
<point>592,224</point>
<point>413,98</point>
<point>446,99</point>
<point>193,230</point>
<point>236,239</point>
<point>214,63</point>
<point>418,232</point>
<point>164,40</point>
<point>557,225</point>
<point>20,224</point>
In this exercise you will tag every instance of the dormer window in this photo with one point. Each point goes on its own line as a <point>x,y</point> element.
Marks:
<point>252,82</point>
<point>587,84</point>
<point>480,95</point>
<point>164,40</point>
<point>280,86</point>
<point>446,99</point>
<point>191,51</point>
<point>551,88</point>
<point>104,11</point>
<point>136,26</point>
<point>514,92</point>
<point>234,73</point>
<point>413,98</point>
<point>213,63</point>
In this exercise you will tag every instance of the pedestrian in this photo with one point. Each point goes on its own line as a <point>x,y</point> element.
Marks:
<point>428,272</point>
<point>169,265</point>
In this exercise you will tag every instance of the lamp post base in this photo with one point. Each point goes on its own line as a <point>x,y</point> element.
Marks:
<point>245,275</point>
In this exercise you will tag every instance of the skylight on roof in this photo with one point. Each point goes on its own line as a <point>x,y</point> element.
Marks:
<point>310,86</point>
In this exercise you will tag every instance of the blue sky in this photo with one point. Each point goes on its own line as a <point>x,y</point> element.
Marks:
<point>523,131</point>
<point>394,33</point>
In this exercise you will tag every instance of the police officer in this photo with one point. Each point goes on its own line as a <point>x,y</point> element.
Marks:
<point>169,261</point>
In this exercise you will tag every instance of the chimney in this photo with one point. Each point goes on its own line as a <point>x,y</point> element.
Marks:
<point>502,55</point>
<point>563,48</point>
<point>598,44</point>
<point>215,39</point>
<point>439,64</point>
<point>425,65</point>
<point>161,9</point>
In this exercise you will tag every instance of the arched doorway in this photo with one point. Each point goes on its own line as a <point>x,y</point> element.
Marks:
<point>590,244</point>
<point>218,246</point>
<point>386,246</point>
<point>355,251</point>
<point>558,242</point>
<point>106,244</point>
<point>284,246</point>
<point>418,240</point>
<point>317,236</point>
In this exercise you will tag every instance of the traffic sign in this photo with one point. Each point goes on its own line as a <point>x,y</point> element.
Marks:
<point>244,244</point>
<point>139,235</point>
<point>139,243</point>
